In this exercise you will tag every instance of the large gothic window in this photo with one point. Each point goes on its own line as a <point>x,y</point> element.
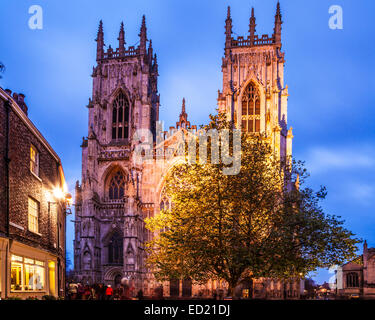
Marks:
<point>116,186</point>
<point>251,109</point>
<point>115,249</point>
<point>352,280</point>
<point>120,118</point>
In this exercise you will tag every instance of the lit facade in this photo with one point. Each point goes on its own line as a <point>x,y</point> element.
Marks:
<point>116,193</point>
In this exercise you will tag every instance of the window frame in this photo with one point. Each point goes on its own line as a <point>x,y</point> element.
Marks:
<point>120,117</point>
<point>251,109</point>
<point>117,185</point>
<point>33,220</point>
<point>24,263</point>
<point>34,160</point>
<point>352,280</point>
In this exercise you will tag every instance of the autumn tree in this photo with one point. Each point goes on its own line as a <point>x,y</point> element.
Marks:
<point>260,222</point>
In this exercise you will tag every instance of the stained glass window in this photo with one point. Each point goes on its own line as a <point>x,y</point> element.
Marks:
<point>120,118</point>
<point>117,186</point>
<point>251,109</point>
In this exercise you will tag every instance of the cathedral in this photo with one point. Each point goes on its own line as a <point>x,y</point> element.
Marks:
<point>117,193</point>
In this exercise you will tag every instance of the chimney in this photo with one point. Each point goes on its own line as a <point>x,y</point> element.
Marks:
<point>21,97</point>
<point>20,100</point>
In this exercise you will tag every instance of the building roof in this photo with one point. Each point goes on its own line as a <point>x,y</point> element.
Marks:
<point>29,124</point>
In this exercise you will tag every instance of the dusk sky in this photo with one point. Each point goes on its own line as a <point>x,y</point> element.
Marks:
<point>330,74</point>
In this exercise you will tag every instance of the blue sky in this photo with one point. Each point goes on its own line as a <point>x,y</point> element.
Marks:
<point>329,74</point>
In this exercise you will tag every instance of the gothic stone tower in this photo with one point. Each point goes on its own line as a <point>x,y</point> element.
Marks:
<point>253,93</point>
<point>109,227</point>
<point>116,193</point>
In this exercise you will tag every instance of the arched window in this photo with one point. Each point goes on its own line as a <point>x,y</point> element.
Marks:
<point>116,186</point>
<point>120,118</point>
<point>352,280</point>
<point>164,204</point>
<point>251,109</point>
<point>115,249</point>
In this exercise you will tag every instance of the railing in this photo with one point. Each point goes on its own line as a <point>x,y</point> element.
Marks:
<point>114,155</point>
<point>111,54</point>
<point>242,42</point>
<point>107,201</point>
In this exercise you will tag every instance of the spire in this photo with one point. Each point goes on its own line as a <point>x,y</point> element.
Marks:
<point>228,31</point>
<point>183,106</point>
<point>155,65</point>
<point>100,42</point>
<point>143,36</point>
<point>252,26</point>
<point>150,51</point>
<point>183,123</point>
<point>121,40</point>
<point>278,22</point>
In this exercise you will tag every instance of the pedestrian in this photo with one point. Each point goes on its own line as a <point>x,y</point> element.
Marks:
<point>101,292</point>
<point>73,289</point>
<point>93,293</point>
<point>80,291</point>
<point>140,294</point>
<point>109,293</point>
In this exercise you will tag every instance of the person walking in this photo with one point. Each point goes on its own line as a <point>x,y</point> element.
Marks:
<point>140,294</point>
<point>101,292</point>
<point>109,293</point>
<point>73,289</point>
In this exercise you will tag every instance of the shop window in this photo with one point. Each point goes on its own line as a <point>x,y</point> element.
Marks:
<point>27,274</point>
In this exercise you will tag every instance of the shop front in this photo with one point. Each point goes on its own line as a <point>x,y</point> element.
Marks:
<point>27,271</point>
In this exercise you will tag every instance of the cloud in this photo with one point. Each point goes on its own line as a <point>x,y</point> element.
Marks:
<point>362,192</point>
<point>323,159</point>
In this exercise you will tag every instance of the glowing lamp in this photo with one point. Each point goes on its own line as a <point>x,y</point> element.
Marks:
<point>58,193</point>
<point>69,199</point>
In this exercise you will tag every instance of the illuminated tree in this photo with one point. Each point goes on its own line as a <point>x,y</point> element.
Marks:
<point>258,223</point>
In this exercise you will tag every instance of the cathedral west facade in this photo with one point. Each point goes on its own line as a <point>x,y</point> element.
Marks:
<point>117,193</point>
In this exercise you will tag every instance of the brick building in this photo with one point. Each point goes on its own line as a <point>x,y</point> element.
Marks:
<point>32,213</point>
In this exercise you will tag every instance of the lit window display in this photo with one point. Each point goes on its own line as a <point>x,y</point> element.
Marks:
<point>27,274</point>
